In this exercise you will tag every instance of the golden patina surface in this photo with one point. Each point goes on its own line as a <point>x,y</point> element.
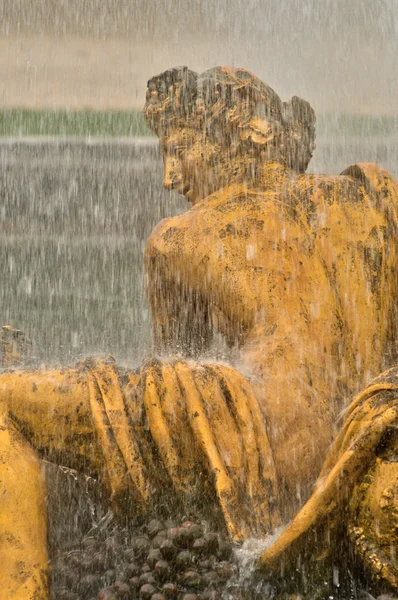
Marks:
<point>298,273</point>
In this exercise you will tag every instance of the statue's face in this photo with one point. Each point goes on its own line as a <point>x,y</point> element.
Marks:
<point>192,164</point>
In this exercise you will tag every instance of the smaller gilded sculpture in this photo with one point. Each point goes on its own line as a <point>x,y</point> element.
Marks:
<point>298,273</point>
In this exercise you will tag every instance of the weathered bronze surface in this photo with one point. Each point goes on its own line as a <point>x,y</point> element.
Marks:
<point>299,274</point>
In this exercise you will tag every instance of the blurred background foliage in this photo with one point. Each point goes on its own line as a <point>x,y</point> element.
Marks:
<point>25,122</point>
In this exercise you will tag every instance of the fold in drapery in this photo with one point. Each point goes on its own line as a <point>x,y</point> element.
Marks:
<point>204,422</point>
<point>124,464</point>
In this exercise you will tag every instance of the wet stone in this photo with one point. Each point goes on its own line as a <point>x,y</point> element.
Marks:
<point>162,569</point>
<point>183,559</point>
<point>134,583</point>
<point>195,530</point>
<point>146,568</point>
<point>172,533</point>
<point>168,549</point>
<point>132,570</point>
<point>147,591</point>
<point>107,594</point>
<point>225,571</point>
<point>205,565</point>
<point>184,537</point>
<point>154,527</point>
<point>170,523</point>
<point>153,557</point>
<point>200,546</point>
<point>191,579</point>
<point>121,563</point>
<point>147,578</point>
<point>158,540</point>
<point>141,546</point>
<point>210,578</point>
<point>122,588</point>
<point>170,590</point>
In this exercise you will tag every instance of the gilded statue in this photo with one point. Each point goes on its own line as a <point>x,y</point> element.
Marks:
<point>298,273</point>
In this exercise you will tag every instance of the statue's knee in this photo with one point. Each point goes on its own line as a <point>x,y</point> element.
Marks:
<point>23,513</point>
<point>16,454</point>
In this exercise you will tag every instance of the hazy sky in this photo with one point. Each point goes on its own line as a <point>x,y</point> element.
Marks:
<point>338,54</point>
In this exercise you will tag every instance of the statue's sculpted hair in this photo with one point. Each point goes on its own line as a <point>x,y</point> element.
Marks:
<point>236,108</point>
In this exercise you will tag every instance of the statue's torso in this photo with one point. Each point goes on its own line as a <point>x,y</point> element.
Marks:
<point>299,274</point>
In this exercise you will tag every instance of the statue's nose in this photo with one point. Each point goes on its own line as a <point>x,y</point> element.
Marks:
<point>172,173</point>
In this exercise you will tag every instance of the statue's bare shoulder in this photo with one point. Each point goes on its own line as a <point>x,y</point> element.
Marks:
<point>223,224</point>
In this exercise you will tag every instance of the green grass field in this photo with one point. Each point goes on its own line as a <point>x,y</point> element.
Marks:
<point>23,122</point>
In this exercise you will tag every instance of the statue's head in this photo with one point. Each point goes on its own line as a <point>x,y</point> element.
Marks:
<point>223,126</point>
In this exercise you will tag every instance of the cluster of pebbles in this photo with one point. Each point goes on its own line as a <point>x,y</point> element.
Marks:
<point>161,560</point>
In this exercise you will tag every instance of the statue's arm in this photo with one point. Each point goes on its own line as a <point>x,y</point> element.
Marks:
<point>181,317</point>
<point>377,179</point>
<point>195,427</point>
